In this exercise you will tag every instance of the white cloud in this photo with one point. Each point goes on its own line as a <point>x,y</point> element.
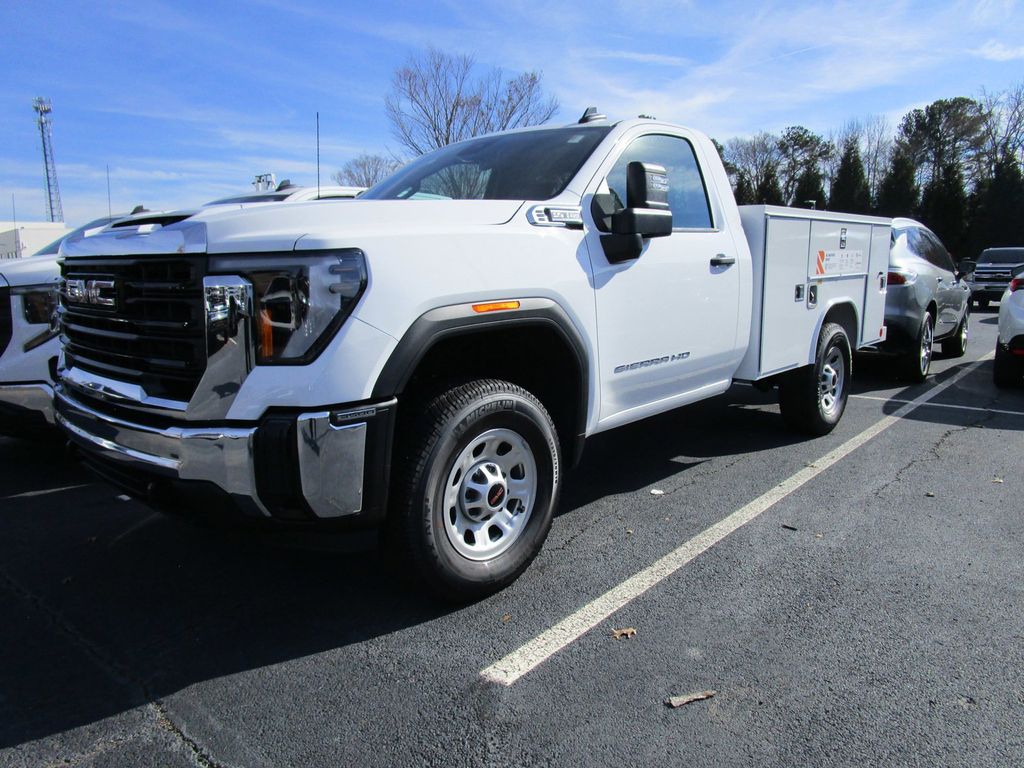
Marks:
<point>996,51</point>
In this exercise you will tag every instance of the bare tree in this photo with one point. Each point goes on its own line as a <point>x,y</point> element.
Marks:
<point>875,149</point>
<point>755,158</point>
<point>1003,130</point>
<point>365,170</point>
<point>437,99</point>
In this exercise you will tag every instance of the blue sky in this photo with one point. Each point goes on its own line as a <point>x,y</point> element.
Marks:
<point>187,101</point>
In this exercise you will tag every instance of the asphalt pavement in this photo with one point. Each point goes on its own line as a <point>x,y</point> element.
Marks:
<point>873,614</point>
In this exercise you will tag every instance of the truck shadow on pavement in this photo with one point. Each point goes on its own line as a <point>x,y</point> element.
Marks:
<point>635,456</point>
<point>107,606</point>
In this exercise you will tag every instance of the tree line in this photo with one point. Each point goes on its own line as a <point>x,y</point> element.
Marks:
<point>955,165</point>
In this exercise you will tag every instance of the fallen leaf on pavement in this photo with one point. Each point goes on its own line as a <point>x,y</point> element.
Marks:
<point>681,701</point>
<point>929,494</point>
<point>629,531</point>
<point>789,527</point>
<point>997,479</point>
<point>506,618</point>
<point>626,632</point>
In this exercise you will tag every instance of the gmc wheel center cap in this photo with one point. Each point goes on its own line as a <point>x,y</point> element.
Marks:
<point>496,496</point>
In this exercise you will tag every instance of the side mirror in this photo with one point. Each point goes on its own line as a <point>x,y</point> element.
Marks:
<point>965,267</point>
<point>646,213</point>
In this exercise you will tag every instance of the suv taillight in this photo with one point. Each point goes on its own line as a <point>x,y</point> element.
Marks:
<point>900,277</point>
<point>1016,283</point>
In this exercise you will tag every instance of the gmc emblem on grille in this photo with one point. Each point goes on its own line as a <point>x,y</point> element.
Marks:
<point>90,292</point>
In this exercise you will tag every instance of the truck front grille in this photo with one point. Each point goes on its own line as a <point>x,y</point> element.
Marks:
<point>6,319</point>
<point>993,277</point>
<point>137,320</point>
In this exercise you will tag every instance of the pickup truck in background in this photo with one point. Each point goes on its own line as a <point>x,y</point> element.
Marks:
<point>992,272</point>
<point>429,358</point>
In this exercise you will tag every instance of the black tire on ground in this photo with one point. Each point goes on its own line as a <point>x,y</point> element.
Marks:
<point>1007,369</point>
<point>813,398</point>
<point>918,359</point>
<point>956,345</point>
<point>477,482</point>
<point>982,303</point>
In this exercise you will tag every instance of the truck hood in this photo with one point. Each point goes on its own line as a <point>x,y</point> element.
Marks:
<point>31,270</point>
<point>276,227</point>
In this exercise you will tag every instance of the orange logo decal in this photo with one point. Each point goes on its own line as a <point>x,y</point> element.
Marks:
<point>820,270</point>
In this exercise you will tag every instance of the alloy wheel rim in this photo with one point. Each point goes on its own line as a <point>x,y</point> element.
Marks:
<point>926,345</point>
<point>489,494</point>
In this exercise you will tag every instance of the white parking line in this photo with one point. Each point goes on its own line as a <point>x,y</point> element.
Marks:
<point>536,651</point>
<point>28,494</point>
<point>941,405</point>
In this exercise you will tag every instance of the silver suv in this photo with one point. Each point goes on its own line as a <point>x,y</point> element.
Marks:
<point>993,271</point>
<point>926,300</point>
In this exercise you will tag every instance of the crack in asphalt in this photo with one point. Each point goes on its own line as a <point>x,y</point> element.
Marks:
<point>933,452</point>
<point>111,666</point>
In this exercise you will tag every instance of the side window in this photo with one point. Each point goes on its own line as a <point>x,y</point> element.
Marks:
<point>916,243</point>
<point>938,255</point>
<point>687,197</point>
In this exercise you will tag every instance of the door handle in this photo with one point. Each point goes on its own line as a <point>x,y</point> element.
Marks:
<point>721,260</point>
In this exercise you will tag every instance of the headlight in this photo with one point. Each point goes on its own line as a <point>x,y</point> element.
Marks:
<point>39,305</point>
<point>299,301</point>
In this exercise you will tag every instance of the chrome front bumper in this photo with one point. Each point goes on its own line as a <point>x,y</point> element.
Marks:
<point>330,449</point>
<point>28,399</point>
<point>220,456</point>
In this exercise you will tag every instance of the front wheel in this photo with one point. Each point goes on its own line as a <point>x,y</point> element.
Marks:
<point>479,489</point>
<point>813,398</point>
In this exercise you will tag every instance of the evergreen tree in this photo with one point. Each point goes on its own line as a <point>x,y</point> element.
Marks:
<point>768,191</point>
<point>799,149</point>
<point>898,194</point>
<point>996,212</point>
<point>809,190</point>
<point>744,192</point>
<point>850,192</point>
<point>944,208</point>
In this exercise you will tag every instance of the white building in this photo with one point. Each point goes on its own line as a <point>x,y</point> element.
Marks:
<point>26,237</point>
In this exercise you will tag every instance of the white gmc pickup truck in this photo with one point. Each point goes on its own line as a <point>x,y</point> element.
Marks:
<point>429,358</point>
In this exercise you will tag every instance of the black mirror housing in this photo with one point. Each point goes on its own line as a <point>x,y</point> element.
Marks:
<point>966,266</point>
<point>646,186</point>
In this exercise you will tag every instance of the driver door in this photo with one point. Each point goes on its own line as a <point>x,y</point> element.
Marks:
<point>667,320</point>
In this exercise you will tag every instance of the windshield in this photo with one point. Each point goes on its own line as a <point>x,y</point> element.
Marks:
<point>53,247</point>
<point>530,165</point>
<point>1002,256</point>
<point>260,198</point>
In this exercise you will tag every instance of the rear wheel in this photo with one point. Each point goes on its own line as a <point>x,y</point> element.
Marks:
<point>956,345</point>
<point>479,487</point>
<point>1007,369</point>
<point>919,359</point>
<point>813,398</point>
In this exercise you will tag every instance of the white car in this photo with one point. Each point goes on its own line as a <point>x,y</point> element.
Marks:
<point>28,335</point>
<point>1008,370</point>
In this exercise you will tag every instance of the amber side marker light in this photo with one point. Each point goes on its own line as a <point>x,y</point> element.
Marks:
<point>496,306</point>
